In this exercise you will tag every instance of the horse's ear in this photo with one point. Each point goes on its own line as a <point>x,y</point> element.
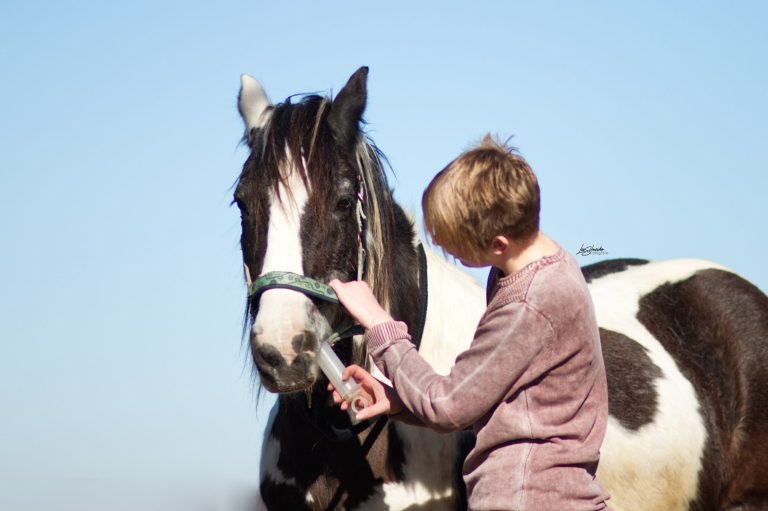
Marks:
<point>347,108</point>
<point>252,103</point>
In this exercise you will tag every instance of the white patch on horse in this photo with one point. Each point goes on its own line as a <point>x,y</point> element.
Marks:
<point>270,471</point>
<point>428,473</point>
<point>666,454</point>
<point>406,496</point>
<point>431,468</point>
<point>283,313</point>
<point>452,320</point>
<point>456,303</point>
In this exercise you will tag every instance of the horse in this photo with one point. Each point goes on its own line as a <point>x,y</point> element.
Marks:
<point>685,341</point>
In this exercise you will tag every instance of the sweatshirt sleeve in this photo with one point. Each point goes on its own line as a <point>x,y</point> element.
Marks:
<point>507,339</point>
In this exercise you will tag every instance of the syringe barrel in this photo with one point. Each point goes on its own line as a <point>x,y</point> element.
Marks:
<point>333,368</point>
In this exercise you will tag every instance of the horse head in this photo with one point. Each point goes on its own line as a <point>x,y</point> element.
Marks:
<point>314,201</point>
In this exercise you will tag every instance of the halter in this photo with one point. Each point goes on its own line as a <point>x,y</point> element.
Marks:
<point>309,287</point>
<point>316,289</point>
<point>295,282</point>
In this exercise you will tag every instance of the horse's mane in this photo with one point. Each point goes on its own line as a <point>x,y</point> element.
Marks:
<point>302,128</point>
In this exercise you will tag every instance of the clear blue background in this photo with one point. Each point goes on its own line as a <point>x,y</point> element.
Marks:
<point>123,380</point>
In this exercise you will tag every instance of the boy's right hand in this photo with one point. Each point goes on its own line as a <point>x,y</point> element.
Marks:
<point>359,301</point>
<point>384,399</point>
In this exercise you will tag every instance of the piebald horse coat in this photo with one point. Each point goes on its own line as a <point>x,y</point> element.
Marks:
<point>685,341</point>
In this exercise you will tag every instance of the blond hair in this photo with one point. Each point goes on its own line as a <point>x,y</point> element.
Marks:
<point>488,190</point>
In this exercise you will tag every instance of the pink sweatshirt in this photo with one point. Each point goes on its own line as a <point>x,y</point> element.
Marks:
<point>531,385</point>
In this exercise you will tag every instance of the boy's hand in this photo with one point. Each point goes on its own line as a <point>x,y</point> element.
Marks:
<point>383,399</point>
<point>359,301</point>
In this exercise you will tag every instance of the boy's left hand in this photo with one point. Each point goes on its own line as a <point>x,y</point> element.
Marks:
<point>359,301</point>
<point>383,400</point>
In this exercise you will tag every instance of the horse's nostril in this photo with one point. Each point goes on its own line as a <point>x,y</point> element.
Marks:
<point>269,356</point>
<point>306,341</point>
<point>303,366</point>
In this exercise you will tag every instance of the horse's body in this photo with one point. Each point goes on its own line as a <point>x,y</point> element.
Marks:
<point>685,341</point>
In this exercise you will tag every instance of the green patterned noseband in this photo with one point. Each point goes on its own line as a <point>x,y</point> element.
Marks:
<point>308,286</point>
<point>294,282</point>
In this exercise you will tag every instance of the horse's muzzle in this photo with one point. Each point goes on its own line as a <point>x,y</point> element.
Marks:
<point>277,375</point>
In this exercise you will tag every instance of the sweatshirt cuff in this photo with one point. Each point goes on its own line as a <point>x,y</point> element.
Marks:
<point>384,333</point>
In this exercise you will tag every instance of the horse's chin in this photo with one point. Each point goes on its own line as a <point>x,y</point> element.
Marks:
<point>277,387</point>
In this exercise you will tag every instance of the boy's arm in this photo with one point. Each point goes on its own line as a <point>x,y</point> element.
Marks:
<point>508,338</point>
<point>506,341</point>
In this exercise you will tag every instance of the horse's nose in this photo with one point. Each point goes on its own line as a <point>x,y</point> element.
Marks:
<point>279,376</point>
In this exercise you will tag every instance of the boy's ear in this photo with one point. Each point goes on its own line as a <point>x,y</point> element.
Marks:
<point>499,244</point>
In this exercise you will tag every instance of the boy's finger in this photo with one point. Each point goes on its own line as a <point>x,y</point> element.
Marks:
<point>378,392</point>
<point>364,414</point>
<point>369,412</point>
<point>350,371</point>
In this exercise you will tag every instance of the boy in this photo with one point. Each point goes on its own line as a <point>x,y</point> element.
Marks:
<point>532,383</point>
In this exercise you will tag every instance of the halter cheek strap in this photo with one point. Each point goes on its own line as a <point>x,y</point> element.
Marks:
<point>361,218</point>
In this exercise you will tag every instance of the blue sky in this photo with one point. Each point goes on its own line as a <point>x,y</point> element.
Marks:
<point>121,365</point>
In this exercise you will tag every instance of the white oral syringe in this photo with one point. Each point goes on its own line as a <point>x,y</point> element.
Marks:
<point>348,389</point>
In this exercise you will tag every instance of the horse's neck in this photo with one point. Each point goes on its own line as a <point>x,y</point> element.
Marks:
<point>455,305</point>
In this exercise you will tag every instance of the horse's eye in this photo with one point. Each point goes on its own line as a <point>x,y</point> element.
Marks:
<point>343,204</point>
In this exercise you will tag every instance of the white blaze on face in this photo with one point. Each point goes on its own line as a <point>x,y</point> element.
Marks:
<point>283,314</point>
